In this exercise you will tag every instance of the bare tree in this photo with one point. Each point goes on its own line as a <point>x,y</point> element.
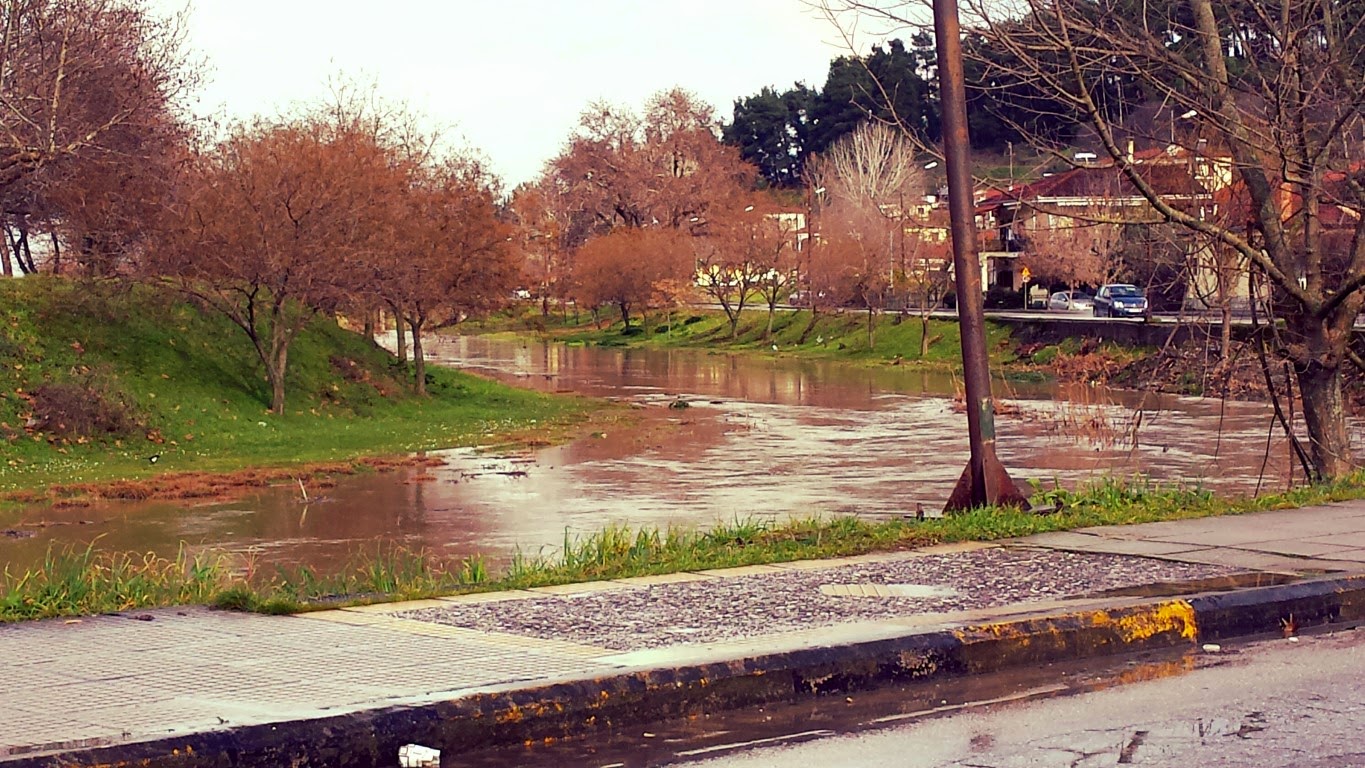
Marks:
<point>875,165</point>
<point>740,254</point>
<point>1276,93</point>
<point>90,124</point>
<point>772,237</point>
<point>869,176</point>
<point>1073,250</point>
<point>926,277</point>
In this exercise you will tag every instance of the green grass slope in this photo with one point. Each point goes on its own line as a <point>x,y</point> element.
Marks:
<point>97,377</point>
<point>842,335</point>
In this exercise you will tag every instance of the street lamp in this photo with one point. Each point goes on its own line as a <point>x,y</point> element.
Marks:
<point>985,480</point>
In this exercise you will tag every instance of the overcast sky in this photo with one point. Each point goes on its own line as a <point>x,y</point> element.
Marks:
<point>510,76</point>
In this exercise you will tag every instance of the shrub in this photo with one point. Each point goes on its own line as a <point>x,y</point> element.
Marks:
<point>91,407</point>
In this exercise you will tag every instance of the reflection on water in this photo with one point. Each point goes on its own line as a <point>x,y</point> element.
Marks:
<point>767,437</point>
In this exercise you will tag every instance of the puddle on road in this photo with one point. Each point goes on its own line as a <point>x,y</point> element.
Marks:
<point>764,438</point>
<point>713,734</point>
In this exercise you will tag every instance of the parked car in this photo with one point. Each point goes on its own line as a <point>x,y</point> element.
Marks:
<point>1120,300</point>
<point>1071,301</point>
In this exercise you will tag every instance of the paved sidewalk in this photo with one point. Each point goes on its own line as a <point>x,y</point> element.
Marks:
<point>343,687</point>
<point>1324,539</point>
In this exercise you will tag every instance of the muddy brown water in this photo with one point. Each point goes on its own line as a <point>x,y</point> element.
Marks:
<point>765,438</point>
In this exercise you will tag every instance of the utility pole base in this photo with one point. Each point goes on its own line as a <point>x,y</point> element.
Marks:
<point>994,488</point>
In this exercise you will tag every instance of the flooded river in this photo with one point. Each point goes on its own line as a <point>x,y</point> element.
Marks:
<point>759,437</point>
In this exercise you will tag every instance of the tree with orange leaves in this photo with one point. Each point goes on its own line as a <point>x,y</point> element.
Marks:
<point>90,91</point>
<point>744,253</point>
<point>665,169</point>
<point>623,269</point>
<point>452,257</point>
<point>277,219</point>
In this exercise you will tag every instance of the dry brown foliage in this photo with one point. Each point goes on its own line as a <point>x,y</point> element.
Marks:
<point>91,93</point>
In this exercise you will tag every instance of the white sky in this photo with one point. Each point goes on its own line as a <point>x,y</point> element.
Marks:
<point>509,76</point>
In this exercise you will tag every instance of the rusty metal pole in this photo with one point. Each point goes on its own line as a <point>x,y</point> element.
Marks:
<point>985,480</point>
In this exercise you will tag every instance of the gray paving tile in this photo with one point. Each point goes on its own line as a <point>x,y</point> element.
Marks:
<point>1226,537</point>
<point>1298,547</point>
<point>1059,540</point>
<point>1345,541</point>
<point>1104,545</point>
<point>1252,561</point>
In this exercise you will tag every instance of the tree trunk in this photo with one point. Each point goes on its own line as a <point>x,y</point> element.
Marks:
<point>368,330</point>
<point>923,336</point>
<point>1324,414</point>
<point>625,314</point>
<point>22,254</point>
<point>871,316</point>
<point>26,262</point>
<point>401,335</point>
<point>1225,334</point>
<point>419,361</point>
<point>810,326</point>
<point>57,256</point>
<point>275,368</point>
<point>7,266</point>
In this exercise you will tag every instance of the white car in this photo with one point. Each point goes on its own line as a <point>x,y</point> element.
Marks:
<point>1071,301</point>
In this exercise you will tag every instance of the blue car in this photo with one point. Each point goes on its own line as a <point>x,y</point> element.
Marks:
<point>1120,300</point>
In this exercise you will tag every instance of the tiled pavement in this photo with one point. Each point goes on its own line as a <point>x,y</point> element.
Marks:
<point>112,679</point>
<point>1325,538</point>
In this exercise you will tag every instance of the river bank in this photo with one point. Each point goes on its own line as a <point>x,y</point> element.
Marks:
<point>1196,366</point>
<point>113,391</point>
<point>777,456</point>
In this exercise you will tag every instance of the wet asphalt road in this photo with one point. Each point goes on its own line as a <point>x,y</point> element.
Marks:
<point>1270,704</point>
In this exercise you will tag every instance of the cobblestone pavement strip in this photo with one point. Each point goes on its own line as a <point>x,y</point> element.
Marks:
<point>787,599</point>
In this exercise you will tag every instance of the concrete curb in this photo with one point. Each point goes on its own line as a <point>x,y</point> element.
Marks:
<point>574,707</point>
